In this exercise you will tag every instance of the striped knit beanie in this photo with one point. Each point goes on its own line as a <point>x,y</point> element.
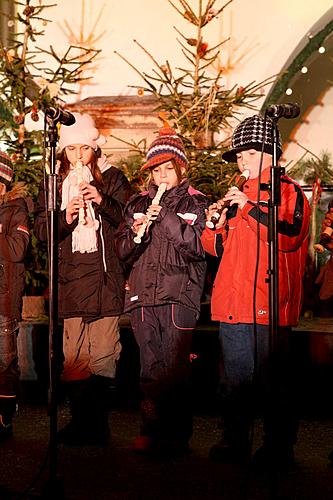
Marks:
<point>250,134</point>
<point>167,146</point>
<point>6,169</point>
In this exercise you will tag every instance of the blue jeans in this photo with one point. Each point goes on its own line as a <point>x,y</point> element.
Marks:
<point>256,380</point>
<point>9,368</point>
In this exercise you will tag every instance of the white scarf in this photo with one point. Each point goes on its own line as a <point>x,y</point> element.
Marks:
<point>84,237</point>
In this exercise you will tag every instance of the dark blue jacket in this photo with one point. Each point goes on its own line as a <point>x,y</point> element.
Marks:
<point>168,266</point>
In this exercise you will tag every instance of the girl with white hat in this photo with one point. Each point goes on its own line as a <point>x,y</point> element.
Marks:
<point>92,195</point>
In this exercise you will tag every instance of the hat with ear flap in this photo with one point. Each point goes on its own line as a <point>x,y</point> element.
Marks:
<point>166,147</point>
<point>83,131</point>
<point>6,169</point>
<point>255,132</point>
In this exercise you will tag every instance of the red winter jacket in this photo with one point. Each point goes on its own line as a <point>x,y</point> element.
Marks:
<point>236,242</point>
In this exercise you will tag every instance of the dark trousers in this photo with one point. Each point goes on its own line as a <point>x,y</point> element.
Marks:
<point>9,368</point>
<point>256,380</point>
<point>164,336</point>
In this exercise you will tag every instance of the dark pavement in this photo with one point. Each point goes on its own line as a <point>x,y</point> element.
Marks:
<point>115,472</point>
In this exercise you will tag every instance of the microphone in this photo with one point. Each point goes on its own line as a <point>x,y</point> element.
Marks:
<point>288,110</point>
<point>32,91</point>
<point>60,115</point>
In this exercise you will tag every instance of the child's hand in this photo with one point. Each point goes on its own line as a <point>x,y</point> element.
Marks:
<point>236,197</point>
<point>90,193</point>
<point>72,209</point>
<point>138,223</point>
<point>153,212</point>
<point>212,209</point>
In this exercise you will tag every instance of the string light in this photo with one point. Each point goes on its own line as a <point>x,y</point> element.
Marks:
<point>304,69</point>
<point>321,50</point>
<point>289,91</point>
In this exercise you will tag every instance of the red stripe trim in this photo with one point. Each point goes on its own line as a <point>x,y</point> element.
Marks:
<point>23,229</point>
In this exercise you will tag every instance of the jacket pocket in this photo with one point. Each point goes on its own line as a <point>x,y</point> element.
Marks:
<point>183,318</point>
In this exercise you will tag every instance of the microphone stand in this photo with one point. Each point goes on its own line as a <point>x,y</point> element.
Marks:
<point>273,242</point>
<point>53,488</point>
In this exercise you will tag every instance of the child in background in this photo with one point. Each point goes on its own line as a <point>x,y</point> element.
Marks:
<point>160,238</point>
<point>14,240</point>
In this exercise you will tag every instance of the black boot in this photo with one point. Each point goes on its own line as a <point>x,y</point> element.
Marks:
<point>234,445</point>
<point>280,435</point>
<point>148,441</point>
<point>102,392</point>
<point>89,413</point>
<point>7,411</point>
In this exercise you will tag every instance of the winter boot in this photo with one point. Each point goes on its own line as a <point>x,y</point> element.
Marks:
<point>148,441</point>
<point>89,414</point>
<point>234,445</point>
<point>280,435</point>
<point>102,390</point>
<point>277,459</point>
<point>176,422</point>
<point>7,411</point>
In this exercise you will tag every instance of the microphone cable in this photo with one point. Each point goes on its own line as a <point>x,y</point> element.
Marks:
<point>254,313</point>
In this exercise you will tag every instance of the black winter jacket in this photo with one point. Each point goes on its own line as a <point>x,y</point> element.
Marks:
<point>168,266</point>
<point>91,285</point>
<point>14,241</point>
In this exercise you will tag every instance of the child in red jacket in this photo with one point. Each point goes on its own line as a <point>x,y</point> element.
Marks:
<point>240,297</point>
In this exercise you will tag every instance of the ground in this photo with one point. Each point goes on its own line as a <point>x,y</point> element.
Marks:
<point>115,472</point>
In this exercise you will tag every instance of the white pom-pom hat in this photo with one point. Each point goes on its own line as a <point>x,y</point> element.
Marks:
<point>83,131</point>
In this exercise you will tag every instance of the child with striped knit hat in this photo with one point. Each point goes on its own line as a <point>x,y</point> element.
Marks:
<point>160,239</point>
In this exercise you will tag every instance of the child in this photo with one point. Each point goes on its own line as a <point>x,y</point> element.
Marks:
<point>14,240</point>
<point>244,322</point>
<point>91,283</point>
<point>164,291</point>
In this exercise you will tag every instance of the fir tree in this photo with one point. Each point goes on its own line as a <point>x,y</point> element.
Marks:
<point>194,100</point>
<point>31,80</point>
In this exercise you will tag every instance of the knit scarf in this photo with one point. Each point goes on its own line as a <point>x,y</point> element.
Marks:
<point>84,236</point>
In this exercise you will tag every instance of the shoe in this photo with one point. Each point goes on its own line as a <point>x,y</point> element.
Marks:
<point>6,430</point>
<point>7,412</point>
<point>76,435</point>
<point>225,452</point>
<point>174,447</point>
<point>144,445</point>
<point>273,459</point>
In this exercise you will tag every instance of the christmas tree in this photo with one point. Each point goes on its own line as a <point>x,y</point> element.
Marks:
<point>194,100</point>
<point>32,80</point>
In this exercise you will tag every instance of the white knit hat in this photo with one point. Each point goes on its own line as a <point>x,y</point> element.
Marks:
<point>83,131</point>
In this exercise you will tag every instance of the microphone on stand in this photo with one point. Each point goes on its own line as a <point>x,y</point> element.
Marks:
<point>60,115</point>
<point>288,110</point>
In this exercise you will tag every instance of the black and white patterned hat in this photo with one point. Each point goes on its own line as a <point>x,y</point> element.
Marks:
<point>250,134</point>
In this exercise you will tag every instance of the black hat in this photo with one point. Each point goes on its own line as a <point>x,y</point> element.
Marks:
<point>249,134</point>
